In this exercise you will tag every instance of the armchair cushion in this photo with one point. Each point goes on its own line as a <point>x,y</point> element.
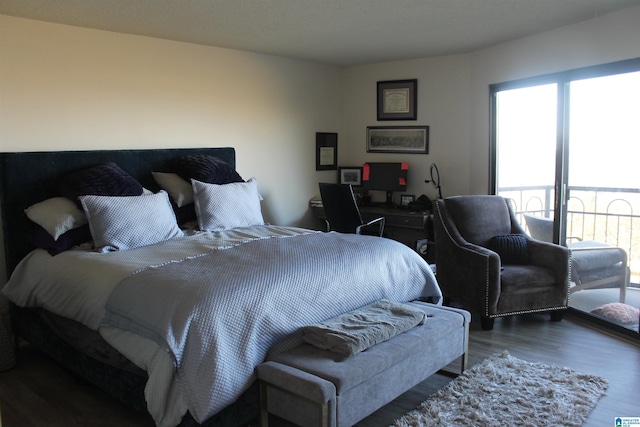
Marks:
<point>512,248</point>
<point>516,278</point>
<point>528,288</point>
<point>478,218</point>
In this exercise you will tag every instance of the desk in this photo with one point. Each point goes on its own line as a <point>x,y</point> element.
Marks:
<point>397,218</point>
<point>408,227</point>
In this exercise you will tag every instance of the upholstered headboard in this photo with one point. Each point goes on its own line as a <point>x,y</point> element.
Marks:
<point>29,177</point>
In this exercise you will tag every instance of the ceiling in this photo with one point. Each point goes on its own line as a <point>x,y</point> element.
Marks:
<point>337,32</point>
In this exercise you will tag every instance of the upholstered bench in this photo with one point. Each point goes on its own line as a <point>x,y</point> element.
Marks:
<point>309,386</point>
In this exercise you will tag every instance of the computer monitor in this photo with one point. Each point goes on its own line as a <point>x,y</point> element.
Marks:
<point>385,176</point>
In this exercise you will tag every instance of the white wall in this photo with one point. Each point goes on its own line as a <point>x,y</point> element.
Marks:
<point>443,95</point>
<point>66,88</point>
<point>453,95</point>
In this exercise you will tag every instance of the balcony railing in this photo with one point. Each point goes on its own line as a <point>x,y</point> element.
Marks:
<point>608,215</point>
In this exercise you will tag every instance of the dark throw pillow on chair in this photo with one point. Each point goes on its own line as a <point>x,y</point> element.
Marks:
<point>512,248</point>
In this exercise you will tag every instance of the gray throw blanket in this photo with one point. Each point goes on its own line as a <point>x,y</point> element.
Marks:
<point>356,331</point>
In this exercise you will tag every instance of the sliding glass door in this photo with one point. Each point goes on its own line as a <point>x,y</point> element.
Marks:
<point>564,148</point>
<point>604,197</point>
<point>526,146</point>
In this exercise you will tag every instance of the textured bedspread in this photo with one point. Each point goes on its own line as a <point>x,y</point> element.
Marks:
<point>219,313</point>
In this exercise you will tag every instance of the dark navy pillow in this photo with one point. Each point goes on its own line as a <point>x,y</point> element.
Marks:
<point>43,240</point>
<point>512,248</point>
<point>204,168</point>
<point>101,180</point>
<point>184,213</point>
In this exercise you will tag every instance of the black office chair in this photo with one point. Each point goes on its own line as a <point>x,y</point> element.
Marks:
<point>342,211</point>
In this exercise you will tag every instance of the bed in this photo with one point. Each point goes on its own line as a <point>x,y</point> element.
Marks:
<point>227,288</point>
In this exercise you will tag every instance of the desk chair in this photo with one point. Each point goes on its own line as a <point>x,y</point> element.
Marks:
<point>593,264</point>
<point>342,211</point>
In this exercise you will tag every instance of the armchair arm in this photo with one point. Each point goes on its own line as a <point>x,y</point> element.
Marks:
<point>467,273</point>
<point>380,221</point>
<point>552,256</point>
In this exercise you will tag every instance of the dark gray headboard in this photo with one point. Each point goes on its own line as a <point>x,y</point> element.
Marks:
<point>29,177</point>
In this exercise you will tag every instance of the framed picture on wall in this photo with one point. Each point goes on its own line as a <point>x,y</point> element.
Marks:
<point>398,100</point>
<point>398,139</point>
<point>350,175</point>
<point>326,151</point>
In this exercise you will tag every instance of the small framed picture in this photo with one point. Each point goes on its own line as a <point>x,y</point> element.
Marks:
<point>405,199</point>
<point>350,175</point>
<point>326,151</point>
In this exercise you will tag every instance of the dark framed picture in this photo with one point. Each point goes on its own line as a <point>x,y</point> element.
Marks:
<point>326,151</point>
<point>398,139</point>
<point>405,199</point>
<point>398,100</point>
<point>350,175</point>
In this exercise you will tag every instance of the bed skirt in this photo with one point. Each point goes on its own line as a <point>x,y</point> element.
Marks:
<point>66,341</point>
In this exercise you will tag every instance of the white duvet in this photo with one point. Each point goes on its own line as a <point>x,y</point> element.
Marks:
<point>203,363</point>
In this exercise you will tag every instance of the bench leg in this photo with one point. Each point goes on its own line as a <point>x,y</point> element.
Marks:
<point>465,355</point>
<point>264,406</point>
<point>264,411</point>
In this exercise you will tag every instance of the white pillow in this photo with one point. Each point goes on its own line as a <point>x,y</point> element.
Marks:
<point>128,222</point>
<point>56,215</point>
<point>180,190</point>
<point>225,206</point>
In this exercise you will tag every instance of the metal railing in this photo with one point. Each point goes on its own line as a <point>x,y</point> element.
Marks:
<point>608,215</point>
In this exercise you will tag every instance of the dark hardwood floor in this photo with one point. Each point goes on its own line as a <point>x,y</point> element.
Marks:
<point>37,392</point>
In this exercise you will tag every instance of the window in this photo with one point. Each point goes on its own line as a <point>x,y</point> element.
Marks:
<point>564,148</point>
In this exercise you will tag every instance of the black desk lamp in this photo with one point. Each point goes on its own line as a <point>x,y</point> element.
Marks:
<point>435,178</point>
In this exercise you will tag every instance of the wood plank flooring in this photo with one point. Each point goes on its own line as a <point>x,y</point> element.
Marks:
<point>37,392</point>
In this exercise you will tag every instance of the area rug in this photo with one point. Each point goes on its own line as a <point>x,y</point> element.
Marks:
<point>506,391</point>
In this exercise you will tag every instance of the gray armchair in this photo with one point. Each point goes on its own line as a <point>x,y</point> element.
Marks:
<point>486,262</point>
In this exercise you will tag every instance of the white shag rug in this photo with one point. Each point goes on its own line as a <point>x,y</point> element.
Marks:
<point>506,391</point>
